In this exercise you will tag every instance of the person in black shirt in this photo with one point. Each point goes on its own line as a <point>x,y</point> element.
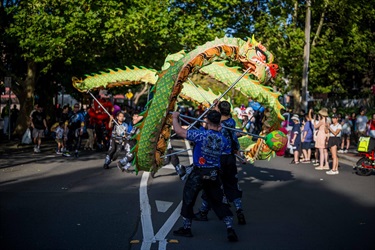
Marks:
<point>13,116</point>
<point>39,125</point>
<point>76,123</point>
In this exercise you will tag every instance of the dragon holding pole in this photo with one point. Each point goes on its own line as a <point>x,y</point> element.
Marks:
<point>172,82</point>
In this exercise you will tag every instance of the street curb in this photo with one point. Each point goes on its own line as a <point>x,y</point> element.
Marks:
<point>348,158</point>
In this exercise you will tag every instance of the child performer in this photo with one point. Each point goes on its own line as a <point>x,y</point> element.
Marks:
<point>125,163</point>
<point>116,141</point>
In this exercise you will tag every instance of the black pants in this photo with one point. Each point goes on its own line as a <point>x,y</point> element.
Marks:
<point>206,180</point>
<point>229,177</point>
<point>74,140</point>
<point>113,151</point>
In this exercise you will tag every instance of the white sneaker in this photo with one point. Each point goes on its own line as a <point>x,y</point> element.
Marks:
<point>127,167</point>
<point>330,172</point>
<point>340,151</point>
<point>345,151</point>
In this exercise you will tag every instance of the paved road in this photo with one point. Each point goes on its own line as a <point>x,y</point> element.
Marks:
<point>63,203</point>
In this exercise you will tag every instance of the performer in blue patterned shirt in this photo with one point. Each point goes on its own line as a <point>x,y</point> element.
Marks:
<point>228,173</point>
<point>209,145</point>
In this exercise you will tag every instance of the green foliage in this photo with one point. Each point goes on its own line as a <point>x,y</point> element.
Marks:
<point>73,37</point>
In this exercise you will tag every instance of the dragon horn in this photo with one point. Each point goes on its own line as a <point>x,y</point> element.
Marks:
<point>253,41</point>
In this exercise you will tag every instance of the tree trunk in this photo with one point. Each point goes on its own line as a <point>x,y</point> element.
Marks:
<point>296,96</point>
<point>138,95</point>
<point>321,21</point>
<point>295,14</point>
<point>25,94</point>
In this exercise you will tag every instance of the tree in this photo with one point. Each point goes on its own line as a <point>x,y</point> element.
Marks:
<point>47,42</point>
<point>342,50</point>
<point>44,33</point>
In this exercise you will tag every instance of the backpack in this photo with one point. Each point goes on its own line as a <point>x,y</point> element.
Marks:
<point>366,144</point>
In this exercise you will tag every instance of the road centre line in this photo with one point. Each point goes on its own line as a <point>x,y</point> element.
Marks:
<point>147,227</point>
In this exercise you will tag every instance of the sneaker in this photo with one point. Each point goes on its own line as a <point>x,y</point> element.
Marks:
<point>200,216</point>
<point>319,168</point>
<point>106,166</point>
<point>231,235</point>
<point>58,153</point>
<point>316,163</point>
<point>67,154</point>
<point>330,172</point>
<point>341,151</point>
<point>345,151</point>
<point>38,150</point>
<point>241,217</point>
<point>127,167</point>
<point>119,166</point>
<point>186,232</point>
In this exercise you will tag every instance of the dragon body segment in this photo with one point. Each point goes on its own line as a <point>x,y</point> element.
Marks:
<point>171,82</point>
<point>128,76</point>
<point>152,140</point>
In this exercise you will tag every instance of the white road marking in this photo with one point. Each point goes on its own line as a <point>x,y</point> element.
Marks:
<point>166,228</point>
<point>147,228</point>
<point>163,206</point>
<point>168,166</point>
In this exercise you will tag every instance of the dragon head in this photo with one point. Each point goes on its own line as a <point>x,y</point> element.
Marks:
<point>254,55</point>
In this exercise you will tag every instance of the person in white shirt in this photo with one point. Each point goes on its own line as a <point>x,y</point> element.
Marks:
<point>345,135</point>
<point>333,143</point>
<point>361,123</point>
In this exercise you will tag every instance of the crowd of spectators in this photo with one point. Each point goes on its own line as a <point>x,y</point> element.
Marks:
<point>328,133</point>
<point>309,134</point>
<point>77,127</point>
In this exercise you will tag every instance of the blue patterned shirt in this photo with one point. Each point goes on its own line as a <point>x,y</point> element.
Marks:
<point>209,145</point>
<point>227,132</point>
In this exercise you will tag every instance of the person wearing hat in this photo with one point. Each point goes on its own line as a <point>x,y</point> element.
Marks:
<point>323,112</point>
<point>296,138</point>
<point>209,146</point>
<point>321,139</point>
<point>333,143</point>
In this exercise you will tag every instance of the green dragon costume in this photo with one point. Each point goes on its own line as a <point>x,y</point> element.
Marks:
<point>171,82</point>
